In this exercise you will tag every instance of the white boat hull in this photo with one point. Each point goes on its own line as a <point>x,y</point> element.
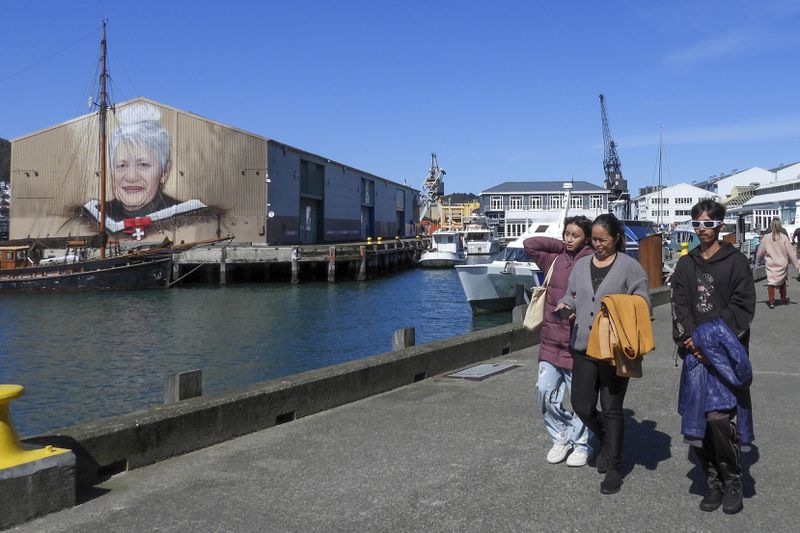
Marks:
<point>495,286</point>
<point>438,259</point>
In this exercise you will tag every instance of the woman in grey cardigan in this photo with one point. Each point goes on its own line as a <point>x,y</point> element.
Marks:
<point>607,271</point>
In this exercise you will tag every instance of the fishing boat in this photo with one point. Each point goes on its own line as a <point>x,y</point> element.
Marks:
<point>446,251</point>
<point>480,240</point>
<point>83,267</point>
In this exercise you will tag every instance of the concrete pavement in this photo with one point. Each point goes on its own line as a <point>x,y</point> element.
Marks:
<point>452,455</point>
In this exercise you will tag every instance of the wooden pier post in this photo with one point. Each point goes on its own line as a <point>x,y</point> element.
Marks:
<point>223,267</point>
<point>331,264</point>
<point>362,268</point>
<point>295,265</point>
<point>183,385</point>
<point>403,338</point>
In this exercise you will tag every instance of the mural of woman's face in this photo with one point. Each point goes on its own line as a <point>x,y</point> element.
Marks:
<point>137,175</point>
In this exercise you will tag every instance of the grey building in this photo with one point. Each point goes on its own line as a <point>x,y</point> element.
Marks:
<point>315,199</point>
<point>513,205</point>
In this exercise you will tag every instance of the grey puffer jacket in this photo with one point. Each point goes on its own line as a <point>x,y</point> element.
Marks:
<point>555,333</point>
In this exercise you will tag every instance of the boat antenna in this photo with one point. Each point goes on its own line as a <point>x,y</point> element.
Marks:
<point>103,112</point>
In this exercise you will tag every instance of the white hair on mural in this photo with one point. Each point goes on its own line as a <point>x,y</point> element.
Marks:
<point>139,113</point>
<point>139,126</point>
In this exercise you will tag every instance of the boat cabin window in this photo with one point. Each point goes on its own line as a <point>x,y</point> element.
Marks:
<point>513,254</point>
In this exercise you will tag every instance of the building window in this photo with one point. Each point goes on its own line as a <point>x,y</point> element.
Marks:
<point>496,203</point>
<point>576,202</point>
<point>535,202</point>
<point>685,201</point>
<point>682,213</point>
<point>556,201</point>
<point>515,229</point>
<point>596,201</point>
<point>515,202</point>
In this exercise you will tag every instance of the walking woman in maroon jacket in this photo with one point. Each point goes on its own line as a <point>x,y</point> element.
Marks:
<point>569,434</point>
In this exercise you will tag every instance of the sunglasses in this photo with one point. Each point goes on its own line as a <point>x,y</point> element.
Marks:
<point>710,224</point>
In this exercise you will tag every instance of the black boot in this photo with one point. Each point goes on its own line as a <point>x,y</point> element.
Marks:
<point>726,453</point>
<point>612,482</point>
<point>714,487</point>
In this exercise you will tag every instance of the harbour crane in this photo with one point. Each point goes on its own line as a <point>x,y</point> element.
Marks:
<point>614,182</point>
<point>432,189</point>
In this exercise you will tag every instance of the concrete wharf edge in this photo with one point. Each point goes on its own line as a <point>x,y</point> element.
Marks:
<point>140,438</point>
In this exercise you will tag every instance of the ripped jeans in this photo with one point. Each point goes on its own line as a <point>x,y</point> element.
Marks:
<point>563,426</point>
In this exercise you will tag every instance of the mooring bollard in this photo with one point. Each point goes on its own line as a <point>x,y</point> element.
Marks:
<point>33,482</point>
<point>403,338</point>
<point>11,451</point>
<point>183,385</point>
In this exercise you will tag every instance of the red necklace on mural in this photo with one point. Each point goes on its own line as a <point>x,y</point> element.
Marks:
<point>135,227</point>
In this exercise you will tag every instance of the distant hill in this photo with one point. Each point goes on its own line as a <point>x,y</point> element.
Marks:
<point>460,198</point>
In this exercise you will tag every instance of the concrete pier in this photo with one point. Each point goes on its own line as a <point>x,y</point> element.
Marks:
<point>237,262</point>
<point>444,454</point>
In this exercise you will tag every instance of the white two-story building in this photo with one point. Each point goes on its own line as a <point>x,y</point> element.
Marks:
<point>670,204</point>
<point>513,205</point>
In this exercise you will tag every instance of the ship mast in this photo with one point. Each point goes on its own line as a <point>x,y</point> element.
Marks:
<point>103,105</point>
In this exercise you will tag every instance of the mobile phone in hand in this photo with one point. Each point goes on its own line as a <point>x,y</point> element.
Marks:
<point>563,313</point>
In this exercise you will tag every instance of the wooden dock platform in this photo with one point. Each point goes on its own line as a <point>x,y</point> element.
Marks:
<point>237,263</point>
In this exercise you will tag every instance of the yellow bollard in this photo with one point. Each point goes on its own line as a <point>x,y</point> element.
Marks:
<point>684,249</point>
<point>11,451</point>
<point>380,240</point>
<point>369,240</point>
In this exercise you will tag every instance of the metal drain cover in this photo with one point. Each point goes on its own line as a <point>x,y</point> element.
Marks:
<point>481,372</point>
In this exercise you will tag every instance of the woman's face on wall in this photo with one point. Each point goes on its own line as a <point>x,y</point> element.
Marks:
<point>574,239</point>
<point>137,175</point>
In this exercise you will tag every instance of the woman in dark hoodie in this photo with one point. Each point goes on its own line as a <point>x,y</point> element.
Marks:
<point>568,432</point>
<point>714,281</point>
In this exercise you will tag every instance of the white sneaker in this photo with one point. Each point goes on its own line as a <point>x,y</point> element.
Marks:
<point>558,452</point>
<point>579,457</point>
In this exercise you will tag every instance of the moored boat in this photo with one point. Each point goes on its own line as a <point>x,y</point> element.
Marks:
<point>446,251</point>
<point>480,240</point>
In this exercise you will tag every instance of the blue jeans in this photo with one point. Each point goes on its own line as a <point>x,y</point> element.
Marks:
<point>564,426</point>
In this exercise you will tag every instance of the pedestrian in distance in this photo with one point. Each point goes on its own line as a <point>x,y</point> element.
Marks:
<point>607,271</point>
<point>778,251</point>
<point>567,431</point>
<point>713,292</point>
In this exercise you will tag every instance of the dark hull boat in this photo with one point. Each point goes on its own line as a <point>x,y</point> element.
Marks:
<point>116,273</point>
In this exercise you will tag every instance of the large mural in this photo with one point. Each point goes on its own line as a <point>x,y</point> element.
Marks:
<point>169,174</point>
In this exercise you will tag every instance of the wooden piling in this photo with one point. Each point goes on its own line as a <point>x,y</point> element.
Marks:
<point>362,267</point>
<point>295,265</point>
<point>331,264</point>
<point>223,267</point>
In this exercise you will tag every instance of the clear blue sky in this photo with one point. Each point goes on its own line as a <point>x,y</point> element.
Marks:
<point>502,91</point>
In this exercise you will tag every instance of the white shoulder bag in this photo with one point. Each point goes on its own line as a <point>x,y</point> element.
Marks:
<point>534,315</point>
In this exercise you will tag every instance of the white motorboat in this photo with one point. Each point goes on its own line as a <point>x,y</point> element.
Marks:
<point>480,240</point>
<point>446,251</point>
<point>497,286</point>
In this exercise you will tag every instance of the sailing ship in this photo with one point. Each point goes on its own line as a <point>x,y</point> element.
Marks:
<point>82,268</point>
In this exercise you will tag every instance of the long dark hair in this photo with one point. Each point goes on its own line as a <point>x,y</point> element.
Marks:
<point>582,222</point>
<point>614,228</point>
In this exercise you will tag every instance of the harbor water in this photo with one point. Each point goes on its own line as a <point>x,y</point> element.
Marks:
<point>87,356</point>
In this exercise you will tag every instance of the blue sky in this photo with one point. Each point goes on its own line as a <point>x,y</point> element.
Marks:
<point>502,91</point>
